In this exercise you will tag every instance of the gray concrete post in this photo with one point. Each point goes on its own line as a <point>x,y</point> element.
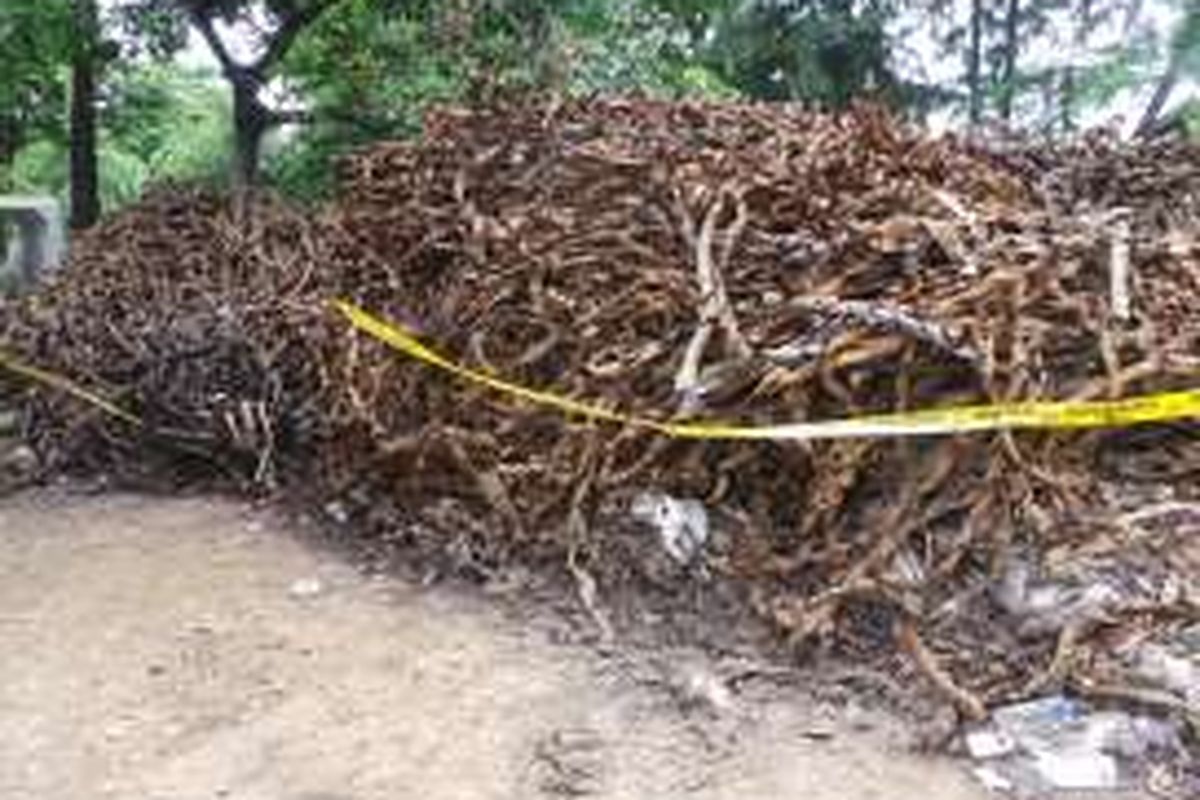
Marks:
<point>39,246</point>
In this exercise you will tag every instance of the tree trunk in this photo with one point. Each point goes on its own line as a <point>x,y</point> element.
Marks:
<point>1182,40</point>
<point>9,143</point>
<point>1162,92</point>
<point>1008,86</point>
<point>974,86</point>
<point>251,120</point>
<point>85,192</point>
<point>1066,100</point>
<point>1070,80</point>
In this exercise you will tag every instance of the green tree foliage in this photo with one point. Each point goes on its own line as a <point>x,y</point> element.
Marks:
<point>1038,64</point>
<point>158,122</point>
<point>321,76</point>
<point>371,68</point>
<point>274,25</point>
<point>825,52</point>
<point>1182,60</point>
<point>174,120</point>
<point>362,73</point>
<point>631,47</point>
<point>35,39</point>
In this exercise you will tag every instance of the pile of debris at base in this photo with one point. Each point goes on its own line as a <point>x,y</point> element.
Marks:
<point>742,262</point>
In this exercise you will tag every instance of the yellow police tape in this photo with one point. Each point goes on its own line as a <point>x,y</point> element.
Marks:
<point>67,385</point>
<point>1162,407</point>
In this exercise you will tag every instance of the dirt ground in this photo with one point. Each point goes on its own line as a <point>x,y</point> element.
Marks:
<point>200,648</point>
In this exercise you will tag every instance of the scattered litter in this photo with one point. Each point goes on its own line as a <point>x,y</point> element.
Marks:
<point>700,687</point>
<point>989,742</point>
<point>1042,607</point>
<point>682,524</point>
<point>337,512</point>
<point>1059,743</point>
<point>18,460</point>
<point>305,588</point>
<point>992,780</point>
<point>778,265</point>
<point>1179,674</point>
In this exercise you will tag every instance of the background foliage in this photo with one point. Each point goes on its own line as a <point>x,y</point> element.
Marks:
<point>360,70</point>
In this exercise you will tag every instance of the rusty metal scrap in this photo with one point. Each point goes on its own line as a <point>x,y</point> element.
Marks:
<point>757,262</point>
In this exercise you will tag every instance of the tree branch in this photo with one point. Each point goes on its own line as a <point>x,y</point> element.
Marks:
<point>289,28</point>
<point>296,116</point>
<point>974,55</point>
<point>290,116</point>
<point>1162,92</point>
<point>203,23</point>
<point>1132,14</point>
<point>1011,44</point>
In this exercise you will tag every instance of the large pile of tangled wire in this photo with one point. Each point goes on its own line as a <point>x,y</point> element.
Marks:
<point>751,263</point>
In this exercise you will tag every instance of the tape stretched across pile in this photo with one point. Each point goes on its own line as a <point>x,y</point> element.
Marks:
<point>1158,407</point>
<point>66,385</point>
<point>617,259</point>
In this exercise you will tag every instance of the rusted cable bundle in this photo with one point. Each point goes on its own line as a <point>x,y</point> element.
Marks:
<point>750,262</point>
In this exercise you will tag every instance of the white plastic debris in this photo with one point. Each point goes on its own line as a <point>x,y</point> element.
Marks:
<point>682,524</point>
<point>305,588</point>
<point>993,780</point>
<point>20,460</point>
<point>337,512</point>
<point>987,743</point>
<point>702,688</point>
<point>1058,743</point>
<point>1160,667</point>
<point>1040,722</point>
<point>1079,769</point>
<point>1042,607</point>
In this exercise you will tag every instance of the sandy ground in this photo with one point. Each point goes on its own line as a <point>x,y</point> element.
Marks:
<point>198,648</point>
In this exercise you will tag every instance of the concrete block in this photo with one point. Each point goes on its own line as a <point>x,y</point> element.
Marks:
<point>37,242</point>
